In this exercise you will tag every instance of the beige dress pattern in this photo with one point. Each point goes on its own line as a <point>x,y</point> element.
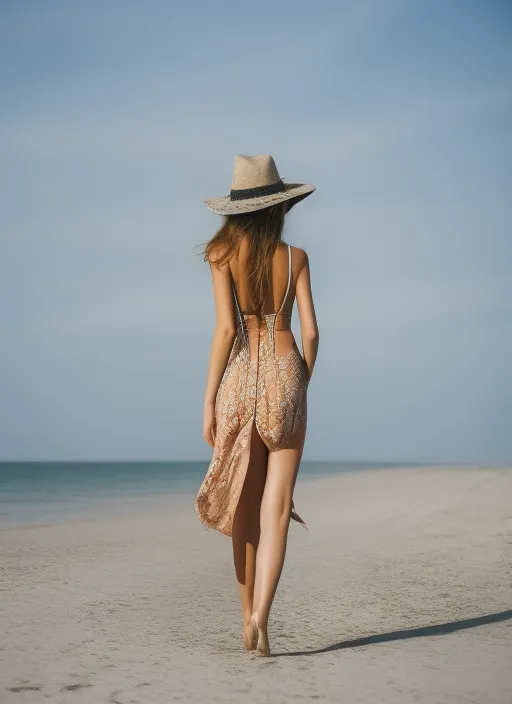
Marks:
<point>268,390</point>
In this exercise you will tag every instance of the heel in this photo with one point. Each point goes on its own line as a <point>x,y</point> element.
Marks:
<point>261,647</point>
<point>254,641</point>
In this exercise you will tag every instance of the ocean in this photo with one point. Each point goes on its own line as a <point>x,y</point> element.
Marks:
<point>50,492</point>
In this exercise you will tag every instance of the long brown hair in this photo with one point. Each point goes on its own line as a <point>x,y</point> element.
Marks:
<point>263,229</point>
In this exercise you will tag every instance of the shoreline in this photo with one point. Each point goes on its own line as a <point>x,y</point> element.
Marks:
<point>90,508</point>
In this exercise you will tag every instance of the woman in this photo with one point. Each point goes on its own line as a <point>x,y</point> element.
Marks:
<point>254,412</point>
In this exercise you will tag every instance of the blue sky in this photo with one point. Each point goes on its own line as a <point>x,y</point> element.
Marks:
<point>118,118</point>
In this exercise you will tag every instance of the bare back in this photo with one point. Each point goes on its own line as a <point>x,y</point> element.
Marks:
<point>287,264</point>
<point>278,282</point>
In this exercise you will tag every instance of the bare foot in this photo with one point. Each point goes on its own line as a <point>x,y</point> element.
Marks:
<point>250,635</point>
<point>261,647</point>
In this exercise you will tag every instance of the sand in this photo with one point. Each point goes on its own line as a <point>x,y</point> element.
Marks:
<point>399,592</point>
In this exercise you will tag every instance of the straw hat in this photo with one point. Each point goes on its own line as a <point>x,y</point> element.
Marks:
<point>256,184</point>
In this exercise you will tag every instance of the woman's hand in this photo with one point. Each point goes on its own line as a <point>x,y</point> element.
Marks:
<point>209,425</point>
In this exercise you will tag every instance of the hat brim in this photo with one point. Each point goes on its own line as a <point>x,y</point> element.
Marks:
<point>225,206</point>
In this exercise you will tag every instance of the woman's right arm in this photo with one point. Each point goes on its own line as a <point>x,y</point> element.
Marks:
<point>307,317</point>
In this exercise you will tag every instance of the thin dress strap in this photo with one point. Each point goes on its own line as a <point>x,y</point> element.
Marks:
<point>289,278</point>
<point>238,309</point>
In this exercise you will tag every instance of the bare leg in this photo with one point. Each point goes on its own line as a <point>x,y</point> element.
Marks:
<point>282,469</point>
<point>246,530</point>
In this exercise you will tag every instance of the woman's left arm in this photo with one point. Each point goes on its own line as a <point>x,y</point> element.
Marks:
<point>222,342</point>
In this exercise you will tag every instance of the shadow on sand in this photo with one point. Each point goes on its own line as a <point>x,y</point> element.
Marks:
<point>437,630</point>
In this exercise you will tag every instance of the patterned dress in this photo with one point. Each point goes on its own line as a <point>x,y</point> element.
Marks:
<point>268,390</point>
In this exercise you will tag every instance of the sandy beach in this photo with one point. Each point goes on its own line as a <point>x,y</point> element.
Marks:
<point>399,592</point>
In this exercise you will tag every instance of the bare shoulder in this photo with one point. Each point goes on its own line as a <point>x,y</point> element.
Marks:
<point>217,253</point>
<point>301,258</point>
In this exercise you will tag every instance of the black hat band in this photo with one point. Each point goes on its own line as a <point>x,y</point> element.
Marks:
<point>245,193</point>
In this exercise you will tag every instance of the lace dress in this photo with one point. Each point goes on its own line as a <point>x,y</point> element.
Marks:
<point>268,390</point>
